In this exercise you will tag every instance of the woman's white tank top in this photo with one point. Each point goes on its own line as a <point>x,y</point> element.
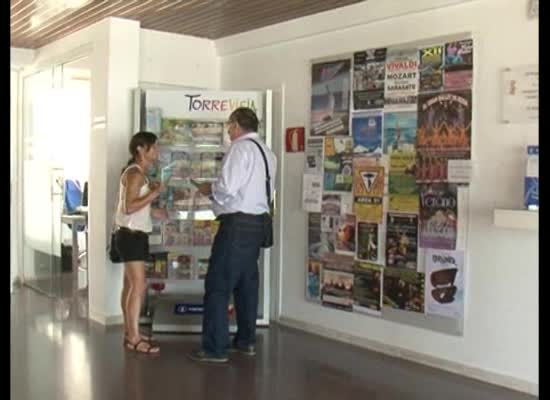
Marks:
<point>139,220</point>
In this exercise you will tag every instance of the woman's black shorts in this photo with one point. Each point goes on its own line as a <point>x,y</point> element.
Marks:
<point>131,245</point>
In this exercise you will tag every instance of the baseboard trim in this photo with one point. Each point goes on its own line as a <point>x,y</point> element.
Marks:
<point>103,319</point>
<point>484,375</point>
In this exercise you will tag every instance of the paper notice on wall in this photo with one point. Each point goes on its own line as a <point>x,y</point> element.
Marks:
<point>312,191</point>
<point>520,94</point>
<point>459,171</point>
<point>314,156</point>
<point>346,205</point>
<point>463,216</point>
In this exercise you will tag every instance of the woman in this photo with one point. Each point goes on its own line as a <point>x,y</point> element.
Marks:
<point>133,223</point>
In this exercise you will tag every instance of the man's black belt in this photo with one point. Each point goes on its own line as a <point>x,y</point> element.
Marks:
<point>239,216</point>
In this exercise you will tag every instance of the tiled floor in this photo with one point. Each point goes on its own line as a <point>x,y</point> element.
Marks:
<point>52,358</point>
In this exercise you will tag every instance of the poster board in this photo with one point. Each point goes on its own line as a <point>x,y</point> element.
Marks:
<point>443,79</point>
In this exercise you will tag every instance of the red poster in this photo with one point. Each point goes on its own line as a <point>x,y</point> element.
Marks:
<point>295,139</point>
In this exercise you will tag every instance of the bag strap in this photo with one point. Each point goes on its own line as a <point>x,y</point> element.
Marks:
<point>267,176</point>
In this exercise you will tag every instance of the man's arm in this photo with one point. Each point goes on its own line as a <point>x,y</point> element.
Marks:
<point>233,174</point>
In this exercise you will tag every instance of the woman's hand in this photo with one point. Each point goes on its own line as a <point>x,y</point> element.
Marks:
<point>156,188</point>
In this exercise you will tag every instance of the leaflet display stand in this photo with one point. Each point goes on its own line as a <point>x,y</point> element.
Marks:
<point>191,126</point>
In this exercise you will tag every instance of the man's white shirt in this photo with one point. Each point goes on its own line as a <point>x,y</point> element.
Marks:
<point>241,183</point>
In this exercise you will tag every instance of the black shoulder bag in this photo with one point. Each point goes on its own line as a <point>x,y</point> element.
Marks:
<point>267,217</point>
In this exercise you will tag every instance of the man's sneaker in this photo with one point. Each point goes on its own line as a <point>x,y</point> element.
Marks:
<point>249,350</point>
<point>201,356</point>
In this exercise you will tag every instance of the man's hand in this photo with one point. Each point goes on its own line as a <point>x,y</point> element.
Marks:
<point>159,213</point>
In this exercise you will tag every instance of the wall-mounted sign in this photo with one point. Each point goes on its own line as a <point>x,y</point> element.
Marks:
<point>520,94</point>
<point>533,8</point>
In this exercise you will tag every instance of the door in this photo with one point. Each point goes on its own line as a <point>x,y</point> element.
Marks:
<point>55,131</point>
<point>42,185</point>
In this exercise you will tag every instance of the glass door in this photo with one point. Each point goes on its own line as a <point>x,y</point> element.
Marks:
<point>42,185</point>
<point>55,130</point>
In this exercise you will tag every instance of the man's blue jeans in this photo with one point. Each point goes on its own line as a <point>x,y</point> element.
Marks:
<point>233,268</point>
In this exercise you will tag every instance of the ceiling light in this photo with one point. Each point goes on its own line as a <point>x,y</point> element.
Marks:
<point>75,3</point>
<point>35,21</point>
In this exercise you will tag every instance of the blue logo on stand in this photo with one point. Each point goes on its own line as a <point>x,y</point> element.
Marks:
<point>186,308</point>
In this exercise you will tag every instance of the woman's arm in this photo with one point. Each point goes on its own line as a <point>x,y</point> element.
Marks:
<point>134,182</point>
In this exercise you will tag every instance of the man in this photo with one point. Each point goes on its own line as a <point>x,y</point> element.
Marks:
<point>239,201</point>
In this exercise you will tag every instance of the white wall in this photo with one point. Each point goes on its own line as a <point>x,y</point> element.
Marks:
<point>20,57</point>
<point>113,47</point>
<point>171,59</point>
<point>501,326</point>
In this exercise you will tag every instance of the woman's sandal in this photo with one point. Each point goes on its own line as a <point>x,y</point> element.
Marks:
<point>149,340</point>
<point>145,337</point>
<point>134,347</point>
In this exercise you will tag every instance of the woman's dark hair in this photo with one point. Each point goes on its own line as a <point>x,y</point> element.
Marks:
<point>246,118</point>
<point>141,139</point>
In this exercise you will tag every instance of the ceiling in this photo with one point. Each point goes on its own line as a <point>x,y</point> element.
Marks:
<point>35,23</point>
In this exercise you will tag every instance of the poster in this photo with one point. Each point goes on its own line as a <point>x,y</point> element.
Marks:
<point>445,283</point>
<point>366,129</point>
<point>431,69</point>
<point>345,235</point>
<point>433,167</point>
<point>400,132</point>
<point>331,204</point>
<point>402,241</point>
<point>399,143</point>
<point>520,94</point>
<point>402,188</point>
<point>368,189</point>
<point>295,139</point>
<point>337,289</point>
<point>312,191</point>
<point>367,288</point>
<point>444,124</point>
<point>401,85</point>
<point>338,164</point>
<point>459,60</point>
<point>329,230</point>
<point>314,156</point>
<point>438,216</point>
<point>368,79</point>
<point>315,246</point>
<point>404,289</point>
<point>368,241</point>
<point>313,280</point>
<point>330,98</point>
